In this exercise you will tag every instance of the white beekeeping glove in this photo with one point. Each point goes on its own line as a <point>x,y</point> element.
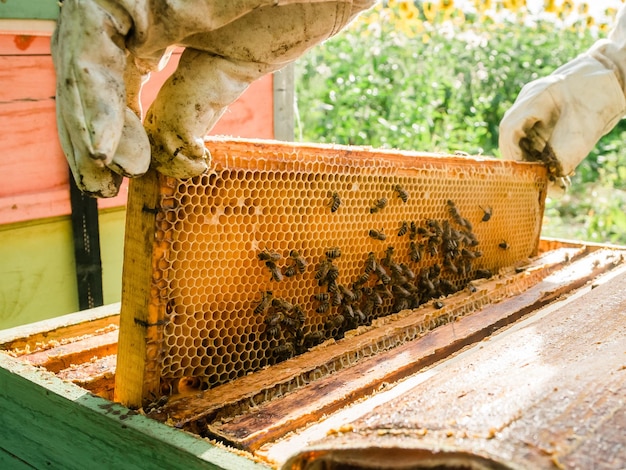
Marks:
<point>558,119</point>
<point>103,51</point>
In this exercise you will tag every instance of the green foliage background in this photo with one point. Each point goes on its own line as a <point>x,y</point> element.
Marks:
<point>445,88</point>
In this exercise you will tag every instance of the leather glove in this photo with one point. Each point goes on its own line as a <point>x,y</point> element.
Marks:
<point>558,119</point>
<point>103,50</point>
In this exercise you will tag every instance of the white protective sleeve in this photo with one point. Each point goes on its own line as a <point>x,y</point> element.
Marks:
<point>558,119</point>
<point>104,49</point>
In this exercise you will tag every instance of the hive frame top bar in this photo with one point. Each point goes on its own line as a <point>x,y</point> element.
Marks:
<point>193,276</point>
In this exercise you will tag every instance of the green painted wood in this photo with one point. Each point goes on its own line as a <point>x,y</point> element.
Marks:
<point>37,267</point>
<point>29,9</point>
<point>11,462</point>
<point>49,423</point>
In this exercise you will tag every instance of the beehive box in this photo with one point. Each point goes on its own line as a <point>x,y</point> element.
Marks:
<point>283,246</point>
<point>530,373</point>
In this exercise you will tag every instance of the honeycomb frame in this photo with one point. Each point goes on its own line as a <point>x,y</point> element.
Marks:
<point>198,251</point>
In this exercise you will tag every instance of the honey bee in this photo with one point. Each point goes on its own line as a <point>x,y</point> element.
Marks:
<point>370,263</point>
<point>333,253</point>
<point>456,216</point>
<point>402,193</point>
<point>471,254</point>
<point>281,305</point>
<point>290,271</point>
<point>438,304</point>
<point>382,275</point>
<point>400,291</point>
<point>348,309</point>
<point>336,297</point>
<point>273,319</point>
<point>487,211</point>
<point>322,270</point>
<point>323,307</point>
<point>483,274</point>
<point>407,271</point>
<point>267,255</point>
<point>336,321</point>
<point>388,254</point>
<point>404,228</point>
<point>415,251</point>
<point>273,331</point>
<point>333,274</point>
<point>347,293</point>
<point>503,245</point>
<point>299,314</point>
<point>321,297</point>
<point>447,286</point>
<point>266,300</point>
<point>313,339</point>
<point>335,202</point>
<point>412,230</point>
<point>377,234</point>
<point>362,279</point>
<point>299,261</point>
<point>284,350</point>
<point>378,205</point>
<point>276,274</point>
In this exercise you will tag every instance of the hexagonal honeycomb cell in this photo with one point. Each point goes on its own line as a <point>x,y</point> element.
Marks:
<point>281,246</point>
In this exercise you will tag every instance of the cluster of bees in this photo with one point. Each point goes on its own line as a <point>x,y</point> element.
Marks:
<point>384,286</point>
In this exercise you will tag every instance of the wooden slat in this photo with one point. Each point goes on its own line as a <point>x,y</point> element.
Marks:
<point>96,375</point>
<point>35,336</point>
<point>139,318</point>
<point>76,352</point>
<point>265,384</point>
<point>309,404</point>
<point>548,393</point>
<point>49,423</point>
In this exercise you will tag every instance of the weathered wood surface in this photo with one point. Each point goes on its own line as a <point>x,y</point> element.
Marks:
<point>546,393</point>
<point>138,317</point>
<point>49,423</point>
<point>41,335</point>
<point>75,352</point>
<point>96,376</point>
<point>295,410</point>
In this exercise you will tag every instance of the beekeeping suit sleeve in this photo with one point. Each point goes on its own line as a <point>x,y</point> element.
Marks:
<point>103,51</point>
<point>558,119</point>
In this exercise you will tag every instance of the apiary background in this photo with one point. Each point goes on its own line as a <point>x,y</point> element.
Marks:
<point>193,277</point>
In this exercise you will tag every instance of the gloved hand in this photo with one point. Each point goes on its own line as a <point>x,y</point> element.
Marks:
<point>558,119</point>
<point>104,50</point>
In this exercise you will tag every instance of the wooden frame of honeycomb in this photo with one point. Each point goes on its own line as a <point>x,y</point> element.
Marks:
<point>229,272</point>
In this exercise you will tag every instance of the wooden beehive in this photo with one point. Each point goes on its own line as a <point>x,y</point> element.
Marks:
<point>526,370</point>
<point>195,267</point>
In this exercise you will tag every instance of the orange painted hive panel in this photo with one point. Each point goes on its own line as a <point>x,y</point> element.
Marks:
<point>281,246</point>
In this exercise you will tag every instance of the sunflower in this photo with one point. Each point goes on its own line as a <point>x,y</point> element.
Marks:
<point>408,10</point>
<point>446,5</point>
<point>549,6</point>
<point>583,8</point>
<point>430,11</point>
<point>482,5</point>
<point>566,8</point>
<point>514,5</point>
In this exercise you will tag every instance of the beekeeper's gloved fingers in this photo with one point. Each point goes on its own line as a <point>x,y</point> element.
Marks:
<point>100,137</point>
<point>560,118</point>
<point>188,106</point>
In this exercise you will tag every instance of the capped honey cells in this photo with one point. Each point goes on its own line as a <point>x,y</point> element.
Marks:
<point>283,246</point>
